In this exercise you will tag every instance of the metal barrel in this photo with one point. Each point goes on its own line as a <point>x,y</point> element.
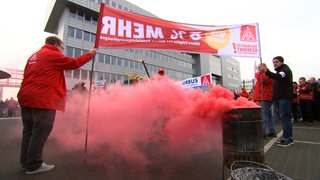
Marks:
<point>242,136</point>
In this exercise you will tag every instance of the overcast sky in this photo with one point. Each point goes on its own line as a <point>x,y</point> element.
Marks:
<point>289,28</point>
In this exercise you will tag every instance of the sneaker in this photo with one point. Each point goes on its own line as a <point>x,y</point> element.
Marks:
<point>279,140</point>
<point>284,143</point>
<point>43,168</point>
<point>272,135</point>
<point>291,141</point>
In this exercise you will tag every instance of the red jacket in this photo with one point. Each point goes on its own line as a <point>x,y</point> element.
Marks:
<point>43,84</point>
<point>267,87</point>
<point>305,92</point>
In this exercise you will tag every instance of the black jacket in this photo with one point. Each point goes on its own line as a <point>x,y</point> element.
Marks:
<point>282,86</point>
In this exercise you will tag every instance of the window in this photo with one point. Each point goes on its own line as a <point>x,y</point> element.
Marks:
<point>100,75</point>
<point>87,17</point>
<point>93,37</point>
<point>79,34</point>
<point>113,60</point>
<point>126,63</point>
<point>136,65</point>
<point>73,12</point>
<point>113,78</point>
<point>101,58</point>
<point>131,64</point>
<point>108,59</point>
<point>119,62</point>
<point>80,15</point>
<point>77,52</point>
<point>94,20</point>
<point>86,36</point>
<point>107,77</point>
<point>71,31</point>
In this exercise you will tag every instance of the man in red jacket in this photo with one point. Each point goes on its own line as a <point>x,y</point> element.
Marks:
<point>262,95</point>
<point>42,93</point>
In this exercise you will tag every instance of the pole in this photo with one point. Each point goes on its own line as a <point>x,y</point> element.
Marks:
<point>145,68</point>
<point>88,109</point>
<point>262,92</point>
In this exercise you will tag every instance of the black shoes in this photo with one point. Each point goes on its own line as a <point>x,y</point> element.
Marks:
<point>272,135</point>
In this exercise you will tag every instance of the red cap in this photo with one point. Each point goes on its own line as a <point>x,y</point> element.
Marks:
<point>160,70</point>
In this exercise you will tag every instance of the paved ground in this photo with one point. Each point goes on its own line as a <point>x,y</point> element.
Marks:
<point>300,162</point>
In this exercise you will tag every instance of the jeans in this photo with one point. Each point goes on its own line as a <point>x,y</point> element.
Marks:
<point>37,126</point>
<point>275,112</point>
<point>267,119</point>
<point>284,106</point>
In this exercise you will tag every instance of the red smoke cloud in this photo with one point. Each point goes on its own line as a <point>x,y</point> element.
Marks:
<point>127,120</point>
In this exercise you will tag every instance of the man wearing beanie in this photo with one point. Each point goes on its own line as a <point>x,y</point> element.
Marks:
<point>282,97</point>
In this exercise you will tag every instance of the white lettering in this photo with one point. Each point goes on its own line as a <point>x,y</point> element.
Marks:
<point>109,23</point>
<point>139,30</point>
<point>157,33</point>
<point>123,28</point>
<point>176,34</point>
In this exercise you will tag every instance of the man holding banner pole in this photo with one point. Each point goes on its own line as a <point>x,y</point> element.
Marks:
<point>42,93</point>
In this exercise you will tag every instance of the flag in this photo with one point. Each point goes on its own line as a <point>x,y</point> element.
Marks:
<point>121,29</point>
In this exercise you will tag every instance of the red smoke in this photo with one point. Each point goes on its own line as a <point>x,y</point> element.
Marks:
<point>127,120</point>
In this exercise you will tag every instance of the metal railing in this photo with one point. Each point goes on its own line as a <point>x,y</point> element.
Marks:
<point>15,79</point>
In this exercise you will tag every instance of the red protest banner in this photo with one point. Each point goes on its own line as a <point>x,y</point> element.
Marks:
<point>121,29</point>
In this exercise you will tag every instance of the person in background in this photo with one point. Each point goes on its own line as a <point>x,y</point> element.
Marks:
<point>262,94</point>
<point>79,88</point>
<point>161,71</point>
<point>12,106</point>
<point>3,108</point>
<point>295,103</point>
<point>244,93</point>
<point>42,93</point>
<point>306,100</point>
<point>282,97</point>
<point>315,103</point>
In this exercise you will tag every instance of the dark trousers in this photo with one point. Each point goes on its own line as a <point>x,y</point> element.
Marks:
<point>37,126</point>
<point>306,110</point>
<point>294,111</point>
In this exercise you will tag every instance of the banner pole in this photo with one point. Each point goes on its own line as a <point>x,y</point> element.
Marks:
<point>88,109</point>
<point>262,91</point>
<point>96,45</point>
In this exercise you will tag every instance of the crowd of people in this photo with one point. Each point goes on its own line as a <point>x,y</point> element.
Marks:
<point>283,99</point>
<point>9,108</point>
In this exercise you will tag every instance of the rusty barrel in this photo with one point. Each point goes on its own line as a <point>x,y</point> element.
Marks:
<point>242,136</point>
